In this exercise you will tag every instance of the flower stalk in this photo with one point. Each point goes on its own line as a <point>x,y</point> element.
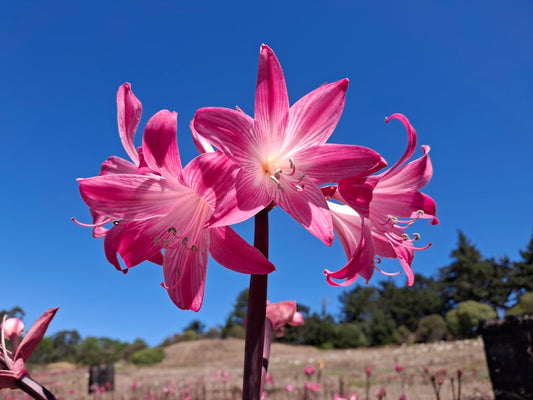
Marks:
<point>255,318</point>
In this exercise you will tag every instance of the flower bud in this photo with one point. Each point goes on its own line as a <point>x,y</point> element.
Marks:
<point>13,327</point>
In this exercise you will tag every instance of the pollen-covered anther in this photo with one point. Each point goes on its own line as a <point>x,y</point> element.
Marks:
<point>292,166</point>
<point>172,230</point>
<point>116,222</point>
<point>274,179</point>
<point>156,240</point>
<point>405,236</point>
<point>416,236</point>
<point>184,241</point>
<point>419,213</point>
<point>301,177</point>
<point>299,187</point>
<point>194,248</point>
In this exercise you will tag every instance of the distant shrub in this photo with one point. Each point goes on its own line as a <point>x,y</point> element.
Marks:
<point>524,306</point>
<point>148,356</point>
<point>235,331</point>
<point>464,320</point>
<point>431,328</point>
<point>348,335</point>
<point>402,335</point>
<point>188,336</point>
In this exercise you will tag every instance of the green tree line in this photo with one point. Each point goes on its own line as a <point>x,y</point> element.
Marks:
<point>450,305</point>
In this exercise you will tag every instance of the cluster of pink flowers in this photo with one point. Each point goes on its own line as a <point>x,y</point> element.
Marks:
<point>175,216</point>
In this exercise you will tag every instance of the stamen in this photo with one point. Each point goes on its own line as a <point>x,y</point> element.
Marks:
<point>274,179</point>
<point>292,166</point>
<point>405,236</point>
<point>416,236</point>
<point>194,248</point>
<point>116,222</point>
<point>278,172</point>
<point>166,242</point>
<point>156,240</point>
<point>301,177</point>
<point>107,221</point>
<point>184,241</point>
<point>172,230</point>
<point>419,213</point>
<point>299,188</point>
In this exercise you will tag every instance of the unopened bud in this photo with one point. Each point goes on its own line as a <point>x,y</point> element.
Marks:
<point>13,327</point>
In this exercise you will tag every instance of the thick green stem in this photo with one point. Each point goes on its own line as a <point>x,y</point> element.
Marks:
<point>255,318</point>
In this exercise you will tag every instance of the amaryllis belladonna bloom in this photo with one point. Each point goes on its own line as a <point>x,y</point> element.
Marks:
<point>281,314</point>
<point>12,363</point>
<point>282,152</point>
<point>370,214</point>
<point>162,206</point>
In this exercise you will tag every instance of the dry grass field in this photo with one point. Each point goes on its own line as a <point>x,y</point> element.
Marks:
<point>211,369</point>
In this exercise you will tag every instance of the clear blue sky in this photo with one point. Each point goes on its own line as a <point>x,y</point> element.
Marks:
<point>461,71</point>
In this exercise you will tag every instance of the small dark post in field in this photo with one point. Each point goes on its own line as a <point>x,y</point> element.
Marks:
<point>101,379</point>
<point>509,351</point>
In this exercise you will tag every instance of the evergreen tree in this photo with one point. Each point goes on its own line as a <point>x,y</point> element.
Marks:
<point>470,277</point>
<point>521,278</point>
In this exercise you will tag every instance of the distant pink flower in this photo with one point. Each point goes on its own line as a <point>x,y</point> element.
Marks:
<point>312,386</point>
<point>282,152</point>
<point>368,218</point>
<point>161,206</point>
<point>12,363</point>
<point>281,314</point>
<point>309,370</point>
<point>269,378</point>
<point>289,387</point>
<point>368,371</point>
<point>398,368</point>
<point>353,396</point>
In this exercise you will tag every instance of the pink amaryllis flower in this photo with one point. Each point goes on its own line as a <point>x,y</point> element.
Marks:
<point>281,314</point>
<point>12,363</point>
<point>162,206</point>
<point>370,214</point>
<point>282,152</point>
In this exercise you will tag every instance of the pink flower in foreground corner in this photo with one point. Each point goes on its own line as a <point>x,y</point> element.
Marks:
<point>161,206</point>
<point>12,363</point>
<point>376,210</point>
<point>281,314</point>
<point>282,152</point>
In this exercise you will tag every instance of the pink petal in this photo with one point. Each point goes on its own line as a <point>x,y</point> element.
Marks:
<point>233,252</point>
<point>314,117</point>
<point>231,131</point>
<point>129,197</point>
<point>247,199</point>
<point>403,204</point>
<point>271,99</point>
<point>185,272</point>
<point>358,192</point>
<point>212,176</point>
<point>117,165</point>
<point>356,240</point>
<point>280,314</point>
<point>414,175</point>
<point>308,207</point>
<point>411,141</point>
<point>160,144</point>
<point>333,162</point>
<point>129,111</point>
<point>202,145</point>
<point>35,335</point>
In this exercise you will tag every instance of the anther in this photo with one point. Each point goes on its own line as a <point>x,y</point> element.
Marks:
<point>416,236</point>
<point>166,242</point>
<point>301,177</point>
<point>172,230</point>
<point>184,241</point>
<point>156,240</point>
<point>299,188</point>
<point>116,222</point>
<point>291,162</point>
<point>419,213</point>
<point>405,236</point>
<point>194,248</point>
<point>274,179</point>
<point>278,172</point>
